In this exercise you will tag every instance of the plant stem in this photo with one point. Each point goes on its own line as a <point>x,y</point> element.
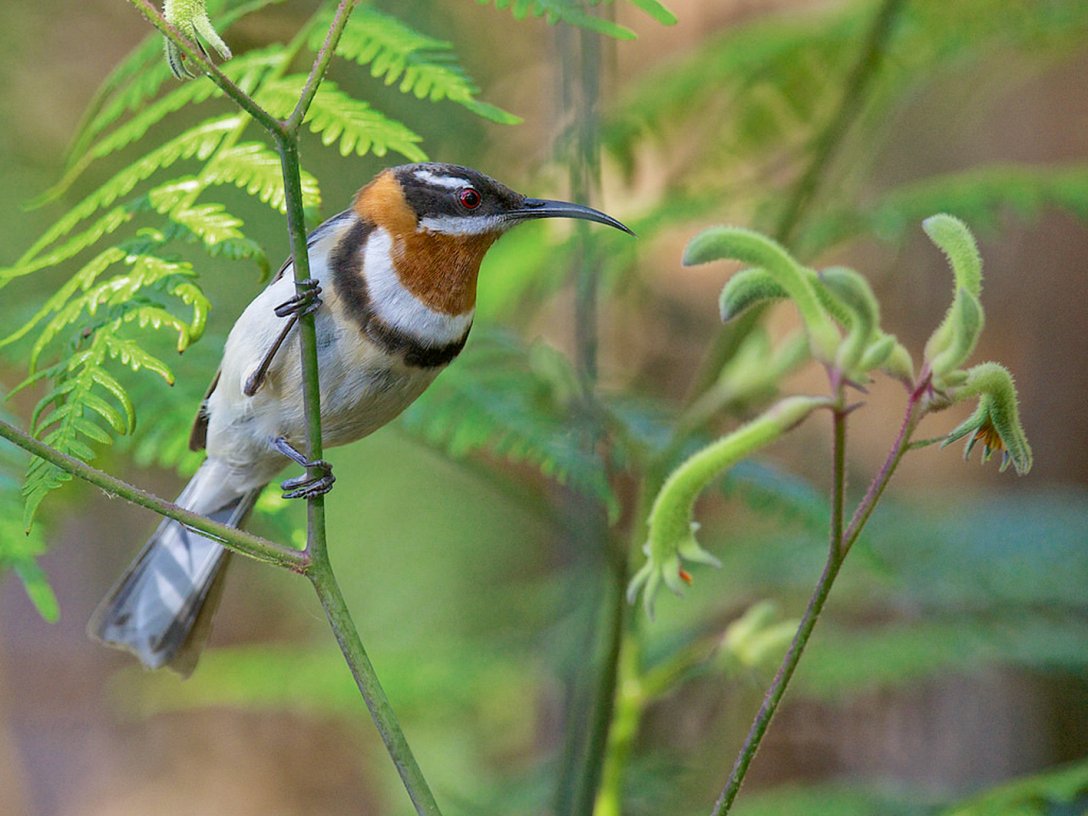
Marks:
<point>778,685</point>
<point>240,97</point>
<point>839,546</point>
<point>311,383</point>
<point>321,64</point>
<point>604,702</point>
<point>240,541</point>
<point>315,558</point>
<point>901,445</point>
<point>580,774</point>
<point>385,720</point>
<point>857,82</point>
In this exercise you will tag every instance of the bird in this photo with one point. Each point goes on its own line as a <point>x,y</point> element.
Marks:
<point>392,292</point>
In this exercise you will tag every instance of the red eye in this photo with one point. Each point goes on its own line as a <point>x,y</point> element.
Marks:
<point>469,198</point>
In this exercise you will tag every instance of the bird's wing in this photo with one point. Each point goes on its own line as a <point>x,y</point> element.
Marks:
<point>198,436</point>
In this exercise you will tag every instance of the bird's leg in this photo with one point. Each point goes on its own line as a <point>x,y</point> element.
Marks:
<point>303,302</point>
<point>304,486</point>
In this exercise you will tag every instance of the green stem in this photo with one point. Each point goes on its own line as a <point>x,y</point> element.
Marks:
<point>321,64</point>
<point>240,541</point>
<point>839,546</point>
<point>240,97</point>
<point>385,719</point>
<point>311,384</point>
<point>778,685</point>
<point>315,558</point>
<point>604,703</point>
<point>831,138</point>
<point>580,774</point>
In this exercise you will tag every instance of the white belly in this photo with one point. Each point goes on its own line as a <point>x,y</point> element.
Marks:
<point>362,388</point>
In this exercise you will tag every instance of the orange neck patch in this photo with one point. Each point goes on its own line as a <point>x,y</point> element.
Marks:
<point>440,270</point>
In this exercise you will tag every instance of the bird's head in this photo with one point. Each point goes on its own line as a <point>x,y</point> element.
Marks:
<point>442,219</point>
<point>459,202</point>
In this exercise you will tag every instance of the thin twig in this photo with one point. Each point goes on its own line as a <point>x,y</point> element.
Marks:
<point>321,64</point>
<point>317,565</point>
<point>778,685</point>
<point>240,97</point>
<point>240,541</point>
<point>839,547</point>
<point>381,710</point>
<point>311,383</point>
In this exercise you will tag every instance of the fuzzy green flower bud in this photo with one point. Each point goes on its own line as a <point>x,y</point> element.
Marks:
<point>757,638</point>
<point>672,531</point>
<point>857,298</point>
<point>747,288</point>
<point>736,243</point>
<point>954,340</point>
<point>996,421</point>
<point>190,18</point>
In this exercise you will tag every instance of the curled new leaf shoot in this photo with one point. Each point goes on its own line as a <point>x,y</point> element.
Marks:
<point>748,288</point>
<point>736,243</point>
<point>671,539</point>
<point>954,340</point>
<point>856,296</point>
<point>996,421</point>
<point>190,17</point>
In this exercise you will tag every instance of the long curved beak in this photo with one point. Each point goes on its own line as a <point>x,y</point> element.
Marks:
<point>543,208</point>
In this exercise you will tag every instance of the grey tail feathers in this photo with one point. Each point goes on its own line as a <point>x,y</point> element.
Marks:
<point>161,608</point>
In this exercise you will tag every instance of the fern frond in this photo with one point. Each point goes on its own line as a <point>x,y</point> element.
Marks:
<point>337,116</point>
<point>19,550</point>
<point>86,403</point>
<point>495,400</point>
<point>978,196</point>
<point>138,78</point>
<point>420,65</point>
<point>197,142</point>
<point>255,168</point>
<point>245,71</point>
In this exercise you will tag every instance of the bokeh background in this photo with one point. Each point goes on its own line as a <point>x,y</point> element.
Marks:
<point>955,653</point>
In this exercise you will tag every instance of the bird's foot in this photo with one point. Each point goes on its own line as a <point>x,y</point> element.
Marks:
<point>305,301</point>
<point>305,486</point>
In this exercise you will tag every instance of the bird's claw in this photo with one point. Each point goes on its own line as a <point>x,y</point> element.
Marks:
<point>309,487</point>
<point>305,301</point>
<point>304,486</point>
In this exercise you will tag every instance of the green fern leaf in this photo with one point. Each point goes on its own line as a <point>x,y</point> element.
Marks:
<point>131,354</point>
<point>81,280</point>
<point>978,196</point>
<point>19,551</point>
<point>245,71</point>
<point>420,65</point>
<point>138,78</point>
<point>496,401</point>
<point>338,117</point>
<point>198,142</point>
<point>256,169</point>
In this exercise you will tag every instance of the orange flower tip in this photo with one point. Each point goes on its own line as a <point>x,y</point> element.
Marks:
<point>685,576</point>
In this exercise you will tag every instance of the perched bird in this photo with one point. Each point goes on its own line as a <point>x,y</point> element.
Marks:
<point>393,294</point>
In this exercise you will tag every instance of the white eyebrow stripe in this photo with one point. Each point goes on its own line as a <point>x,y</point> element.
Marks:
<point>449,182</point>
<point>462,225</point>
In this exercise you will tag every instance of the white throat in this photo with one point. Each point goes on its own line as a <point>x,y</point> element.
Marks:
<point>398,307</point>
